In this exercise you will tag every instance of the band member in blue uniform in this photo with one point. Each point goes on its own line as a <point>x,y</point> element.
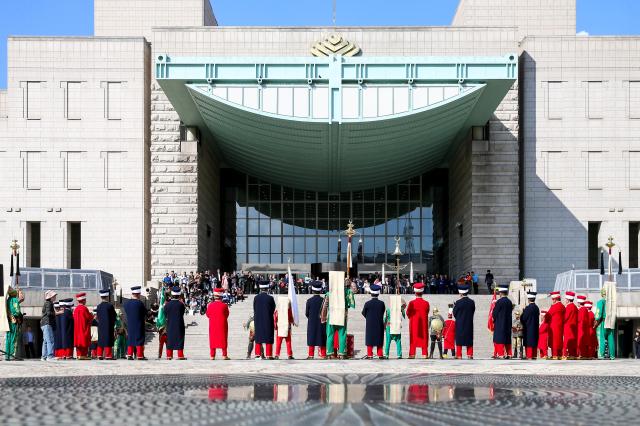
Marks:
<point>463,311</point>
<point>136,314</point>
<point>502,323</point>
<point>530,326</point>
<point>106,316</point>
<point>263,308</point>
<point>316,331</point>
<point>373,311</point>
<point>66,329</point>
<point>174,311</point>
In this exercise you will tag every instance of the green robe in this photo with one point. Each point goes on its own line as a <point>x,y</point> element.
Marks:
<point>605,335</point>
<point>389,337</point>
<point>349,302</point>
<point>13,337</point>
<point>120,344</point>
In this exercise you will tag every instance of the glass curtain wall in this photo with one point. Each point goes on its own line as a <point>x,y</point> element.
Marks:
<point>274,223</point>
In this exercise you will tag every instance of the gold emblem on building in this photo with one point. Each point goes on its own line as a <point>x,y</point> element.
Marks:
<point>335,44</point>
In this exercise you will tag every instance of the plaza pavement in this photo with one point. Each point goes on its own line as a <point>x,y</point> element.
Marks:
<point>36,368</point>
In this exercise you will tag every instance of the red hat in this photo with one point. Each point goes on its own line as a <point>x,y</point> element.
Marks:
<point>581,298</point>
<point>81,296</point>
<point>569,295</point>
<point>555,294</point>
<point>218,291</point>
<point>587,304</point>
<point>418,287</point>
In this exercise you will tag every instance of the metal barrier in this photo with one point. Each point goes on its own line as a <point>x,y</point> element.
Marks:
<point>64,279</point>
<point>590,280</point>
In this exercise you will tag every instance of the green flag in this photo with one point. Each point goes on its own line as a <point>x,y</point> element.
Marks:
<point>161,320</point>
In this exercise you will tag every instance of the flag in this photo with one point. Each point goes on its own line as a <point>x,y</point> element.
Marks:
<point>339,257</point>
<point>349,263</point>
<point>619,263</point>
<point>382,277</point>
<point>411,273</point>
<point>161,319</point>
<point>601,262</point>
<point>490,324</point>
<point>293,297</point>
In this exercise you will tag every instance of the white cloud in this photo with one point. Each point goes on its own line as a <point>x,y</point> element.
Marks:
<point>582,33</point>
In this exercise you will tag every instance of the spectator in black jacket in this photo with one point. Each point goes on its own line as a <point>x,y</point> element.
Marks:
<point>48,324</point>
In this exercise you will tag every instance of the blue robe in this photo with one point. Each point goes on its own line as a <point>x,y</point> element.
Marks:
<point>316,331</point>
<point>174,310</point>
<point>463,310</point>
<point>263,308</point>
<point>136,314</point>
<point>373,311</point>
<point>57,333</point>
<point>106,315</point>
<point>530,320</point>
<point>502,321</point>
<point>66,329</point>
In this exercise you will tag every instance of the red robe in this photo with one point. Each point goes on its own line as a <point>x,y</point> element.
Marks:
<point>543,339</point>
<point>570,333</point>
<point>584,333</point>
<point>218,312</point>
<point>555,318</point>
<point>593,346</point>
<point>418,314</point>
<point>449,334</point>
<point>82,320</point>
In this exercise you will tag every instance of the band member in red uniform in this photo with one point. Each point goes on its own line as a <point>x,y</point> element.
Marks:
<point>136,313</point>
<point>463,311</point>
<point>502,322</point>
<point>449,334</point>
<point>218,314</point>
<point>82,320</point>
<point>543,336</point>
<point>570,332</point>
<point>593,340</point>
<point>530,328</point>
<point>584,328</point>
<point>555,319</point>
<point>418,314</point>
<point>280,335</point>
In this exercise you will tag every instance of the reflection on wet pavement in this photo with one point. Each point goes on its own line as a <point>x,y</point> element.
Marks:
<point>351,393</point>
<point>322,399</point>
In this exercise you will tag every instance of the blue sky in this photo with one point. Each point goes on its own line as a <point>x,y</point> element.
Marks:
<point>75,17</point>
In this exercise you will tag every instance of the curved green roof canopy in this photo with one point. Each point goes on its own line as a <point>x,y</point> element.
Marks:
<point>335,124</point>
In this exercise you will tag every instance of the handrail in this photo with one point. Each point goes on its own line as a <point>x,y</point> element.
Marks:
<point>591,280</point>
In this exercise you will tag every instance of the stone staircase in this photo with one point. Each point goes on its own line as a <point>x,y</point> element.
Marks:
<point>197,338</point>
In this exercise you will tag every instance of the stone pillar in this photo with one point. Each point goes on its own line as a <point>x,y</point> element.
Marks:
<point>495,194</point>
<point>174,191</point>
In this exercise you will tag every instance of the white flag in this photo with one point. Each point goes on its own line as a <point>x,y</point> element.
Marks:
<point>383,273</point>
<point>411,274</point>
<point>293,297</point>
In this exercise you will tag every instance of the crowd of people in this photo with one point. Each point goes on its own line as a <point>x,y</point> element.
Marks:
<point>569,330</point>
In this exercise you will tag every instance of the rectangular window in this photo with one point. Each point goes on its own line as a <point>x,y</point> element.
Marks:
<point>593,250</point>
<point>634,230</point>
<point>320,102</point>
<point>73,100</point>
<point>554,170</point>
<point>350,102</point>
<point>33,239</point>
<point>634,99</point>
<point>114,100</point>
<point>385,101</point>
<point>74,245</point>
<point>285,101</point>
<point>73,170</point>
<point>301,102</point>
<point>32,173</point>
<point>595,170</point>
<point>113,170</point>
<point>594,99</point>
<point>369,102</point>
<point>554,100</point>
<point>34,101</point>
<point>634,169</point>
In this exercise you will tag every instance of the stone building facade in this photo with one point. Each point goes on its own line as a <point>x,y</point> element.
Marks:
<point>95,141</point>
